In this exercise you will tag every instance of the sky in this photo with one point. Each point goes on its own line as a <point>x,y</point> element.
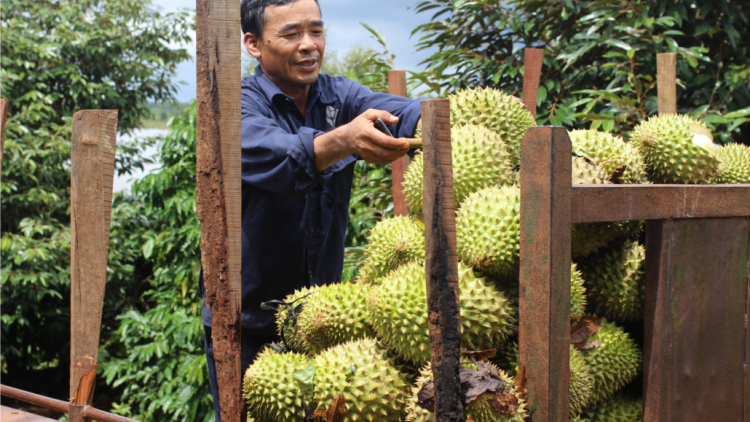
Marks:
<point>395,19</point>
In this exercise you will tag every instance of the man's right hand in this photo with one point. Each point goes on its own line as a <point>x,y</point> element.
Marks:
<point>362,138</point>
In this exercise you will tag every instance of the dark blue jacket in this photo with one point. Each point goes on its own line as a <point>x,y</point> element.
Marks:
<point>293,217</point>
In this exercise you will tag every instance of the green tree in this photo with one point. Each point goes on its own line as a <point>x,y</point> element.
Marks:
<point>60,57</point>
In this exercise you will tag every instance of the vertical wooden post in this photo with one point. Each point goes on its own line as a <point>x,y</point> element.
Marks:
<point>4,103</point>
<point>544,305</point>
<point>220,187</point>
<point>696,285</point>
<point>532,70</point>
<point>92,171</point>
<point>397,86</point>
<point>666,82</point>
<point>441,263</point>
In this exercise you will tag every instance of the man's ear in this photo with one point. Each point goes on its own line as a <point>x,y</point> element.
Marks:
<point>252,44</point>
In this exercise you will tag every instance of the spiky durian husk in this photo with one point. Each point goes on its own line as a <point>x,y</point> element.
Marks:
<point>615,283</point>
<point>398,313</point>
<point>588,238</point>
<point>497,111</point>
<point>620,408</point>
<point>373,388</point>
<point>735,164</point>
<point>666,142</point>
<point>478,410</point>
<point>586,171</point>
<point>392,242</point>
<point>293,336</point>
<point>577,294</point>
<point>610,151</point>
<point>487,230</point>
<point>269,387</point>
<point>480,159</point>
<point>614,363</point>
<point>335,314</point>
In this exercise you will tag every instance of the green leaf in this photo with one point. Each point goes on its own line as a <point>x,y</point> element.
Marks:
<point>305,380</point>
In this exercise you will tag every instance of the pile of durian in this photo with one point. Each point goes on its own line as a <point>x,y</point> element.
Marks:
<point>367,340</point>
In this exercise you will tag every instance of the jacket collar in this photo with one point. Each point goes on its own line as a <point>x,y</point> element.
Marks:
<point>319,89</point>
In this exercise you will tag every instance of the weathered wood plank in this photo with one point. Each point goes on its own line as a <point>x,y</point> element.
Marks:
<point>441,262</point>
<point>219,187</point>
<point>397,86</point>
<point>532,71</point>
<point>92,171</point>
<point>9,414</point>
<point>666,82</point>
<point>544,307</point>
<point>696,285</point>
<point>4,105</point>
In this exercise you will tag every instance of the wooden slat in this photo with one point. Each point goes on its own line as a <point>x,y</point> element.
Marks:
<point>532,70</point>
<point>9,414</point>
<point>746,407</point>
<point>219,187</point>
<point>696,283</point>
<point>4,105</point>
<point>666,81</point>
<point>441,262</point>
<point>594,203</point>
<point>397,86</point>
<point>92,170</point>
<point>544,307</point>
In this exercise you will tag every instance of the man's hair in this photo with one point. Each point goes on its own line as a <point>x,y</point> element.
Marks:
<point>252,11</point>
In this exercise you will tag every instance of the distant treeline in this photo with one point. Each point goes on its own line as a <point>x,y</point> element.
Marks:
<point>162,112</point>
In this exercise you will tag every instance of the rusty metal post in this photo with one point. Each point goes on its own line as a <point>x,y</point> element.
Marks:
<point>666,82</point>
<point>397,86</point>
<point>544,307</point>
<point>696,287</point>
<point>532,71</point>
<point>441,262</point>
<point>92,171</point>
<point>219,183</point>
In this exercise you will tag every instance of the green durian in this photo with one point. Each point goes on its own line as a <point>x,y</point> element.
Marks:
<point>398,313</point>
<point>620,408</point>
<point>372,387</point>
<point>588,238</point>
<point>577,294</point>
<point>612,364</point>
<point>487,227</point>
<point>478,410</point>
<point>615,283</point>
<point>495,110</point>
<point>392,242</point>
<point>288,326</point>
<point>676,149</point>
<point>586,171</point>
<point>610,151</point>
<point>335,314</point>
<point>271,391</point>
<point>480,159</point>
<point>735,164</point>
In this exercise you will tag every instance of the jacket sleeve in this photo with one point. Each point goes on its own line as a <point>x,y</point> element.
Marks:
<point>407,110</point>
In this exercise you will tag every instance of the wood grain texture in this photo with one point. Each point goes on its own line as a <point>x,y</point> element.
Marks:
<point>397,86</point>
<point>4,105</point>
<point>219,187</point>
<point>666,82</point>
<point>92,174</point>
<point>8,414</point>
<point>532,70</point>
<point>696,284</point>
<point>544,307</point>
<point>441,262</point>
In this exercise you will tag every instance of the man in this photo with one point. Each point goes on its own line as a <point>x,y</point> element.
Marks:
<point>301,135</point>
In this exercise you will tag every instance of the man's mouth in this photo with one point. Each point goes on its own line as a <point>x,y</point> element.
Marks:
<point>308,64</point>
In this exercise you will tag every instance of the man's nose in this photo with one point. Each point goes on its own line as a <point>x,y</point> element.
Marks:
<point>306,44</point>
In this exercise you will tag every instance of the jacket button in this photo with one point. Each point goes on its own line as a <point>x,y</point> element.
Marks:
<point>311,229</point>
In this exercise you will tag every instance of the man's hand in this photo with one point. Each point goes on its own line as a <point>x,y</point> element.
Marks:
<point>360,137</point>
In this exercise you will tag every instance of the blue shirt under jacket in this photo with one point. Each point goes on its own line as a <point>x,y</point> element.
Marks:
<point>293,217</point>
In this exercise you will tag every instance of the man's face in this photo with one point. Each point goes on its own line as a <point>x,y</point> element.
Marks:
<point>291,51</point>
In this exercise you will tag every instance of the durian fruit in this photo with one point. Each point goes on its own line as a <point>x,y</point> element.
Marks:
<point>577,294</point>
<point>586,171</point>
<point>676,149</point>
<point>480,159</point>
<point>588,238</point>
<point>398,313</point>
<point>269,386</point>
<point>620,408</point>
<point>487,227</point>
<point>735,164</point>
<point>372,387</point>
<point>497,111</point>
<point>392,242</point>
<point>615,283</point>
<point>478,410</point>
<point>335,314</point>
<point>612,364</point>
<point>287,324</point>
<point>610,151</point>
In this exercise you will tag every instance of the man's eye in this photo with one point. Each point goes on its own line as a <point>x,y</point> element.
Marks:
<point>292,35</point>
